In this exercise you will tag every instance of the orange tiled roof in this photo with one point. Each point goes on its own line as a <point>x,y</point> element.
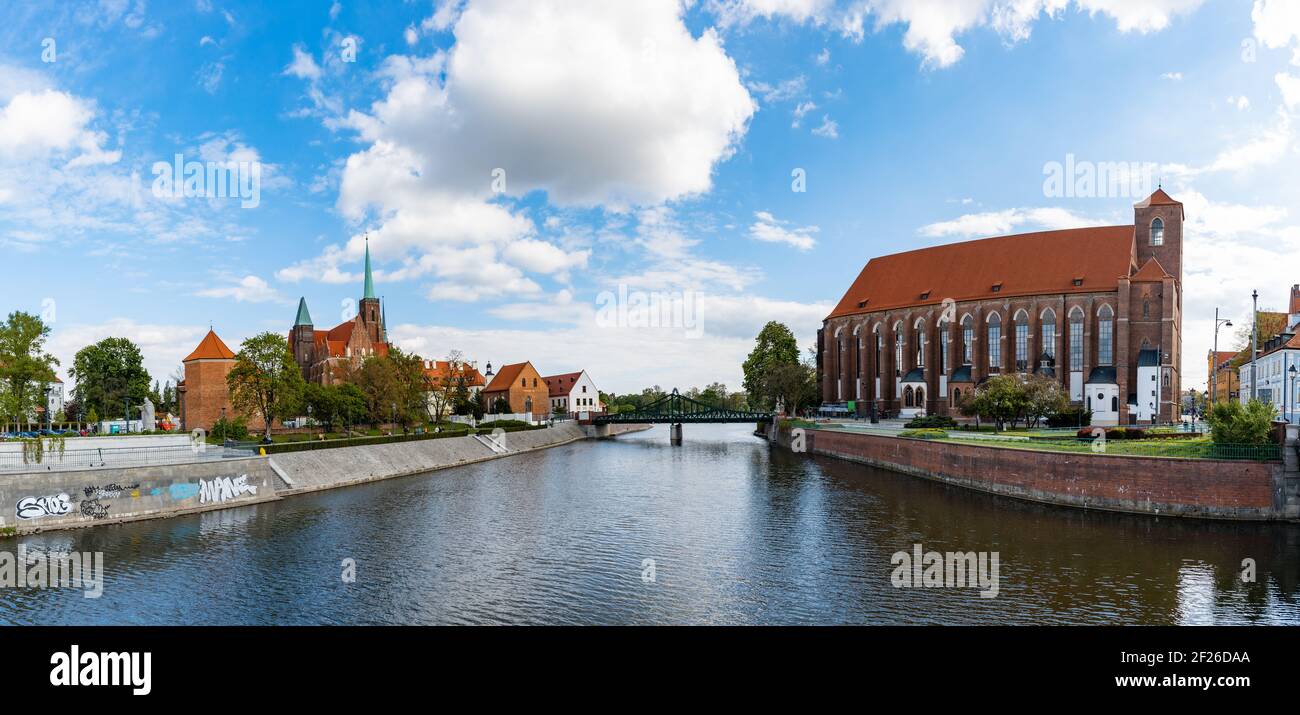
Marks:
<point>1022,264</point>
<point>505,377</point>
<point>1158,198</point>
<point>441,369</point>
<point>210,348</point>
<point>561,385</point>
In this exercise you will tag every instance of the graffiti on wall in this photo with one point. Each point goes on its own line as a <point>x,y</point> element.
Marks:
<point>223,489</point>
<point>37,507</point>
<point>109,491</point>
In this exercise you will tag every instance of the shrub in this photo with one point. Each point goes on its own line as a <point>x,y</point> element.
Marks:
<point>1071,417</point>
<point>935,421</point>
<point>924,433</point>
<point>1235,423</point>
<point>224,429</point>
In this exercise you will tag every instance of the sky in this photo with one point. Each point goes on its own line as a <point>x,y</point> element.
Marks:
<point>532,175</point>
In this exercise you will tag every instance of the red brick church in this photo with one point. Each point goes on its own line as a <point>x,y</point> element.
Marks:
<point>1097,309</point>
<point>326,355</point>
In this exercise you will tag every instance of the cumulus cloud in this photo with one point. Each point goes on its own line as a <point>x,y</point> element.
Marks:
<point>303,65</point>
<point>163,346</point>
<point>249,289</point>
<point>629,109</point>
<point>996,223</point>
<point>772,230</point>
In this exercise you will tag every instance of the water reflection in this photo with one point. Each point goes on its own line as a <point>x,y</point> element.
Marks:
<point>737,534</point>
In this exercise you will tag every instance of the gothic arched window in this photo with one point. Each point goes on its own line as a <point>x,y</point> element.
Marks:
<point>1157,232</point>
<point>995,341</point>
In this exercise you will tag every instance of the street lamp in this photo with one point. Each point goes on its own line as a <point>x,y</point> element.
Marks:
<point>1218,323</point>
<point>126,413</point>
<point>1254,342</point>
<point>1291,373</point>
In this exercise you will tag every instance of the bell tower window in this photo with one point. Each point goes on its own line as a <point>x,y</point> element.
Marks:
<point>1157,232</point>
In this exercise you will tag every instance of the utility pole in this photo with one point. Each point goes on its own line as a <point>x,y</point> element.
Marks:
<point>1254,342</point>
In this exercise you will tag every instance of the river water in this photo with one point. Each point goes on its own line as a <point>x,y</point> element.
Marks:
<point>721,530</point>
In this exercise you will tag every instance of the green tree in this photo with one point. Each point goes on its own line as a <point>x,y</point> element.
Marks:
<point>1002,398</point>
<point>25,368</point>
<point>1234,423</point>
<point>774,346</point>
<point>794,385</point>
<point>1043,398</point>
<point>265,379</point>
<point>108,374</point>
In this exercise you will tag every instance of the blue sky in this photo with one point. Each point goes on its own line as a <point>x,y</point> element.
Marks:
<point>645,145</point>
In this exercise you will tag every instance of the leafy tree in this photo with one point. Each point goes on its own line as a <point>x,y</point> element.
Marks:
<point>792,384</point>
<point>1001,398</point>
<point>1043,398</point>
<point>265,379</point>
<point>25,368</point>
<point>108,374</point>
<point>1234,423</point>
<point>1269,322</point>
<point>501,406</point>
<point>775,345</point>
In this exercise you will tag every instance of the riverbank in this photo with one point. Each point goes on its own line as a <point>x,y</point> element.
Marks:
<point>1200,488</point>
<point>70,499</point>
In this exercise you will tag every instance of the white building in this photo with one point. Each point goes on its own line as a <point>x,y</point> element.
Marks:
<point>573,392</point>
<point>1277,357</point>
<point>1276,360</point>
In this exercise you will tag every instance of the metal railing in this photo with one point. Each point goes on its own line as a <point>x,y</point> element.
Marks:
<point>69,459</point>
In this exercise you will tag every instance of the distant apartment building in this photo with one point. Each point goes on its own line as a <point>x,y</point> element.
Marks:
<point>1275,375</point>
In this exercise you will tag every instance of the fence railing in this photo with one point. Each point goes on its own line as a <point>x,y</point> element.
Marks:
<point>54,460</point>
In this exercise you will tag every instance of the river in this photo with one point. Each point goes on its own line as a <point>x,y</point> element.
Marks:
<point>721,530</point>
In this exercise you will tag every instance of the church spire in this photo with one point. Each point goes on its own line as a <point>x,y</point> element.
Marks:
<point>370,281</point>
<point>304,318</point>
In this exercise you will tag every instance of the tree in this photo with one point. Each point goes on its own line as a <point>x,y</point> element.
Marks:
<point>447,388</point>
<point>1001,398</point>
<point>25,368</point>
<point>794,385</point>
<point>775,345</point>
<point>1234,423</point>
<point>108,374</point>
<point>265,379</point>
<point>1043,398</point>
<point>1269,323</point>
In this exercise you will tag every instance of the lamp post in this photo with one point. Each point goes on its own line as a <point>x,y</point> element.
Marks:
<point>1291,373</point>
<point>126,413</point>
<point>1218,323</point>
<point>1254,342</point>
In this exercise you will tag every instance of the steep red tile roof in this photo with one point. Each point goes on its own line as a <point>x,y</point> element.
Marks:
<point>505,377</point>
<point>561,385</point>
<point>1159,198</point>
<point>210,348</point>
<point>1023,264</point>
<point>1151,271</point>
<point>441,369</point>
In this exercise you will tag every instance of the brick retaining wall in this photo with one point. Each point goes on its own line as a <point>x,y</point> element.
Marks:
<point>1153,485</point>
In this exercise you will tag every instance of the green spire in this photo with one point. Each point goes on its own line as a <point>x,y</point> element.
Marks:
<point>304,318</point>
<point>370,281</point>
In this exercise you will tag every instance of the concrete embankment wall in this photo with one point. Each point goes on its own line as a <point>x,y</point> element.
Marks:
<point>71,499</point>
<point>329,468</point>
<point>1150,485</point>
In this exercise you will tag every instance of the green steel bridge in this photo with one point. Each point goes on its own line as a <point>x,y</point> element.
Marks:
<point>676,409</point>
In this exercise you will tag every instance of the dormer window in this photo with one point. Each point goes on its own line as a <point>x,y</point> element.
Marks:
<point>997,287</point>
<point>1078,281</point>
<point>862,303</point>
<point>1157,232</point>
<point>925,295</point>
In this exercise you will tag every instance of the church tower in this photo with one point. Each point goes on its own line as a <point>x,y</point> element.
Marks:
<point>371,312</point>
<point>1151,339</point>
<point>302,338</point>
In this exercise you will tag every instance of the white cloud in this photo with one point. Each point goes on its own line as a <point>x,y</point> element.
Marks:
<point>998,223</point>
<point>33,124</point>
<point>799,111</point>
<point>824,57</point>
<point>629,109</point>
<point>1174,76</point>
<point>772,230</point>
<point>303,65</point>
<point>828,129</point>
<point>1277,24</point>
<point>932,27</point>
<point>1289,85</point>
<point>783,91</point>
<point>249,289</point>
